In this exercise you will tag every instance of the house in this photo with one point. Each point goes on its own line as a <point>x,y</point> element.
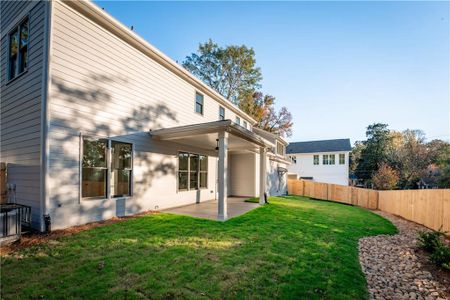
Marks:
<point>322,161</point>
<point>97,123</point>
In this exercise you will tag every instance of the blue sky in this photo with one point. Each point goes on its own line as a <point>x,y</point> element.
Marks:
<point>337,66</point>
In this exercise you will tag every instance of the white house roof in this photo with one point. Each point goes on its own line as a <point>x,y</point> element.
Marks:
<point>319,146</point>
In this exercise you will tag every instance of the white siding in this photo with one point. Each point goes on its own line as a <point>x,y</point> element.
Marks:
<point>102,86</point>
<point>337,174</point>
<point>243,175</point>
<point>21,105</point>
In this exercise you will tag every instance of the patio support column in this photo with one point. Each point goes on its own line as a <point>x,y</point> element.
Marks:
<point>223,175</point>
<point>262,174</point>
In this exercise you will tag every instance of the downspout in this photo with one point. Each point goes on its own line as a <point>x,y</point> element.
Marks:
<point>44,195</point>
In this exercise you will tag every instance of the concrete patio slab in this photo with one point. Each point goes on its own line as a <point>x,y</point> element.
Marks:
<point>208,209</point>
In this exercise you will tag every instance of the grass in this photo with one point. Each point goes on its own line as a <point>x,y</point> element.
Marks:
<point>293,247</point>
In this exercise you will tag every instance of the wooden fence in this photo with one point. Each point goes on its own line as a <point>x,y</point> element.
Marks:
<point>430,208</point>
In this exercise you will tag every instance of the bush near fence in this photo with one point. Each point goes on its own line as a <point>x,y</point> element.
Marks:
<point>430,208</point>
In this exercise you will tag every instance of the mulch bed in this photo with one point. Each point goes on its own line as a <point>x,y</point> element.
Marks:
<point>34,238</point>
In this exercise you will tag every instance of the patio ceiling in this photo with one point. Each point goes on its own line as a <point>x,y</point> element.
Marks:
<point>205,135</point>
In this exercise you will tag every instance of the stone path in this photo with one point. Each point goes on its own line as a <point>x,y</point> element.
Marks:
<point>392,267</point>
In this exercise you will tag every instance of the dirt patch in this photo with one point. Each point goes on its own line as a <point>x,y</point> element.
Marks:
<point>31,239</point>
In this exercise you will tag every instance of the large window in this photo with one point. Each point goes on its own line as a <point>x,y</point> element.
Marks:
<point>121,169</point>
<point>95,171</point>
<point>221,113</point>
<point>332,159</point>
<point>325,159</point>
<point>342,159</point>
<point>192,171</point>
<point>18,49</point>
<point>199,103</point>
<point>96,166</point>
<point>316,159</point>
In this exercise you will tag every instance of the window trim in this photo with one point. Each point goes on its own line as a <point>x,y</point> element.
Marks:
<point>108,168</point>
<point>332,162</point>
<point>202,104</point>
<point>8,35</point>
<point>178,190</point>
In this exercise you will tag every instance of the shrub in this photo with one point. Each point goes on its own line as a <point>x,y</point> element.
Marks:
<point>441,256</point>
<point>430,240</point>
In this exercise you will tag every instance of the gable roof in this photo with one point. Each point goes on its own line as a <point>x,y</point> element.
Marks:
<point>319,146</point>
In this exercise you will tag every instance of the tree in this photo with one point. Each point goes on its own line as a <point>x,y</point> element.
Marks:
<point>385,178</point>
<point>261,108</point>
<point>374,151</point>
<point>355,155</point>
<point>231,71</point>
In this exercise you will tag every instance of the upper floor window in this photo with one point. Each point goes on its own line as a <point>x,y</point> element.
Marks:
<point>221,113</point>
<point>332,159</point>
<point>316,159</point>
<point>325,159</point>
<point>280,148</point>
<point>238,120</point>
<point>342,159</point>
<point>18,49</point>
<point>244,124</point>
<point>199,103</point>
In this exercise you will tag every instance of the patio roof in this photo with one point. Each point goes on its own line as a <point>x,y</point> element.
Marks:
<point>209,128</point>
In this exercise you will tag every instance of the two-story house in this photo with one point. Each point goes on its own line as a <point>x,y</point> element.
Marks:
<point>97,123</point>
<point>322,161</point>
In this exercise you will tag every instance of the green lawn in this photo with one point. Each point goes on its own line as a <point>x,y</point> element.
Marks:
<point>291,248</point>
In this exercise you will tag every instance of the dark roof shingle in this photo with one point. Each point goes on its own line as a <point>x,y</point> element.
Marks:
<point>319,146</point>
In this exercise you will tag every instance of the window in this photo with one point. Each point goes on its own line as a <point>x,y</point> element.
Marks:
<point>325,159</point>
<point>280,149</point>
<point>342,159</point>
<point>245,124</point>
<point>18,49</point>
<point>94,168</point>
<point>192,171</point>
<point>293,158</point>
<point>121,169</point>
<point>199,103</point>
<point>316,159</point>
<point>221,113</point>
<point>238,120</point>
<point>332,159</point>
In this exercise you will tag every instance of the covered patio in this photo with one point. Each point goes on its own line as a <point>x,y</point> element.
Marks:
<point>224,137</point>
<point>208,209</point>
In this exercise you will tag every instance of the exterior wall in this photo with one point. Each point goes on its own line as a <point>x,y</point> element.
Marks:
<point>103,87</point>
<point>242,176</point>
<point>337,174</point>
<point>276,185</point>
<point>21,100</point>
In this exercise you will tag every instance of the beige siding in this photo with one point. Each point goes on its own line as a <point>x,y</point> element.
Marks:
<point>102,86</point>
<point>243,175</point>
<point>21,105</point>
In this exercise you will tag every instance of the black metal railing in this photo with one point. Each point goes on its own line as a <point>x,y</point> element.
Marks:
<point>12,217</point>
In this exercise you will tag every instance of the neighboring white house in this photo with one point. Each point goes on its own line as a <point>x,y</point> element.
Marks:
<point>322,161</point>
<point>97,123</point>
